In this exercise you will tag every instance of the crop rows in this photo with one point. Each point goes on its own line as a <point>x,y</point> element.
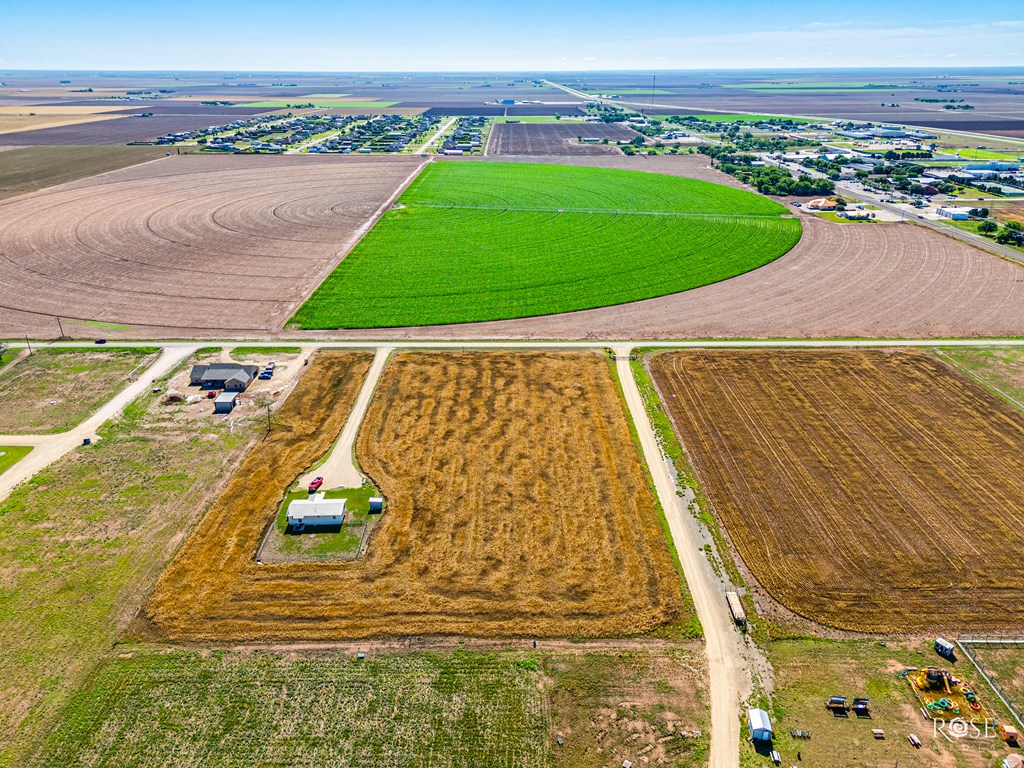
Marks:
<point>872,491</point>
<point>183,709</point>
<point>489,241</point>
<point>517,506</point>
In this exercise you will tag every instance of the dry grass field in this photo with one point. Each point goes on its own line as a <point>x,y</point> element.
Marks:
<point>875,491</point>
<point>517,506</point>
<point>83,542</point>
<point>14,123</point>
<point>215,243</point>
<point>55,389</point>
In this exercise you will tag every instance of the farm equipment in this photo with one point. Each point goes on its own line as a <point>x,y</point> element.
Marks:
<point>837,704</point>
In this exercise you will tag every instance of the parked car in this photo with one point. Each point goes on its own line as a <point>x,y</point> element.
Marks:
<point>315,484</point>
<point>266,375</point>
<point>101,341</point>
<point>211,394</point>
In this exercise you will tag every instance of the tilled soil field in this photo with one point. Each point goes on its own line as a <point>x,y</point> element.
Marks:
<point>517,506</point>
<point>870,491</point>
<point>120,130</point>
<point>556,138</point>
<point>195,242</point>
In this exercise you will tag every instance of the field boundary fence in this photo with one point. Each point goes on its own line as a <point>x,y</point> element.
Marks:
<point>965,641</point>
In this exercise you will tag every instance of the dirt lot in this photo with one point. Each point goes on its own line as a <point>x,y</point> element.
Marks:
<point>556,138</point>
<point>230,243</point>
<point>53,390</point>
<point>517,506</point>
<point>874,491</point>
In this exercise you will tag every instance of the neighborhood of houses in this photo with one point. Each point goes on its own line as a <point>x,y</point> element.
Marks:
<point>312,134</point>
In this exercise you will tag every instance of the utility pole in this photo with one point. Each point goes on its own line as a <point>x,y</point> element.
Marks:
<point>29,343</point>
<point>61,327</point>
<point>654,80</point>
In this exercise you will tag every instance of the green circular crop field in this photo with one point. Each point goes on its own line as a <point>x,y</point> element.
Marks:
<point>473,241</point>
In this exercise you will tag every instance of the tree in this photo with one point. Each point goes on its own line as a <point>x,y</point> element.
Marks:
<point>987,225</point>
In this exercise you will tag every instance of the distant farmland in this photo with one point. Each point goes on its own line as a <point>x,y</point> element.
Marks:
<point>558,138</point>
<point>488,241</point>
<point>318,104</point>
<point>871,491</point>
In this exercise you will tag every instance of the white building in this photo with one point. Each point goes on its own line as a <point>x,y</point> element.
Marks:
<point>956,214</point>
<point>317,510</point>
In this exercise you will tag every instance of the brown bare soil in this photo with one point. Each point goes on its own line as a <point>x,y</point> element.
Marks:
<point>194,242</point>
<point>517,506</point>
<point>871,491</point>
<point>556,138</point>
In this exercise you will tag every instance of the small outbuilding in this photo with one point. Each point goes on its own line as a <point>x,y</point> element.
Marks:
<point>760,725</point>
<point>225,402</point>
<point>315,511</point>
<point>376,504</point>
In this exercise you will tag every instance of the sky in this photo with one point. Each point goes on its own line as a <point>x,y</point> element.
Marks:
<point>523,35</point>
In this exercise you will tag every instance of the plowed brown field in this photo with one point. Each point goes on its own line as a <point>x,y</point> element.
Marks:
<point>875,491</point>
<point>517,507</point>
<point>232,243</point>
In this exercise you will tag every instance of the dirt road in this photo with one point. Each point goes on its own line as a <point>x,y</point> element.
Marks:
<point>48,448</point>
<point>723,649</point>
<point>339,471</point>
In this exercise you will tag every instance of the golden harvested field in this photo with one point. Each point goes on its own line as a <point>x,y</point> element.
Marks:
<point>26,122</point>
<point>20,110</point>
<point>866,490</point>
<point>517,506</point>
